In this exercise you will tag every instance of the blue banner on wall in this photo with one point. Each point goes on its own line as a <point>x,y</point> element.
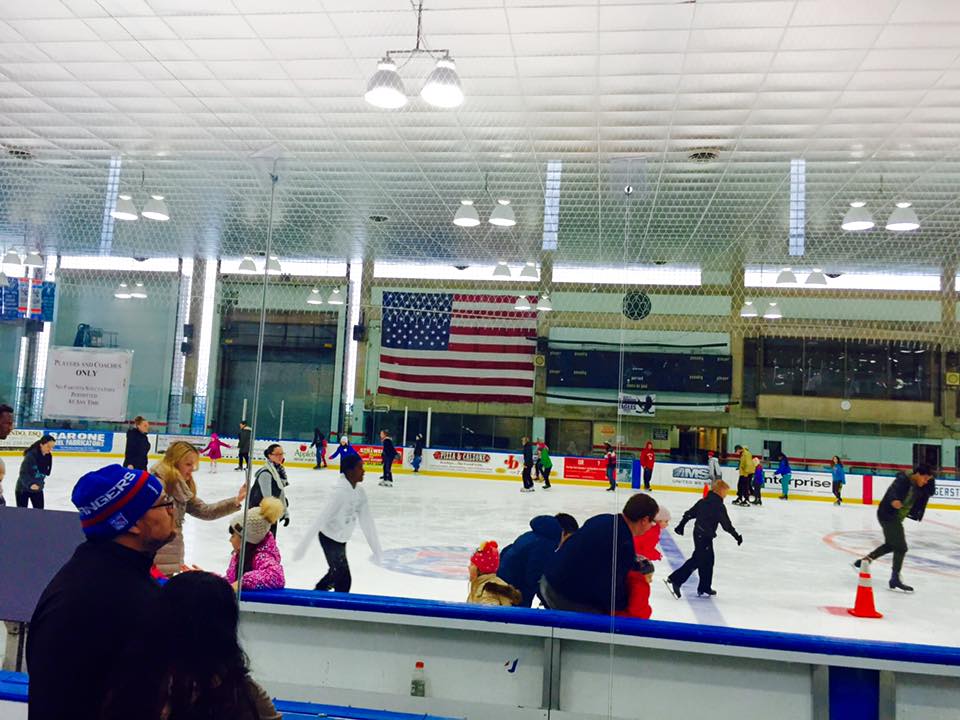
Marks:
<point>13,300</point>
<point>82,441</point>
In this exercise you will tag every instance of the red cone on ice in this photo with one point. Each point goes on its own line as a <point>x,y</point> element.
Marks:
<point>706,489</point>
<point>863,606</point>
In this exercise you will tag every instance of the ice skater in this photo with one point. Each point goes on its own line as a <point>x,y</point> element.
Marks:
<point>648,457</point>
<point>784,474</point>
<point>646,544</point>
<point>244,441</point>
<point>212,451</point>
<point>545,464</point>
<point>387,455</point>
<point>708,513</point>
<point>906,497</point>
<point>347,508</point>
<point>417,452</point>
<point>713,467</point>
<point>35,468</point>
<point>320,443</point>
<point>344,449</point>
<point>746,476</point>
<point>758,481</point>
<point>527,465</point>
<point>611,457</point>
<point>839,478</point>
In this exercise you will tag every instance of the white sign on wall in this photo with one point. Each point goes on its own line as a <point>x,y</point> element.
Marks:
<point>643,405</point>
<point>89,383</point>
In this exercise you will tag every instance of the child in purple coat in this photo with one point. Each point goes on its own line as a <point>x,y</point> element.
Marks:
<point>212,450</point>
<point>262,569</point>
<point>758,480</point>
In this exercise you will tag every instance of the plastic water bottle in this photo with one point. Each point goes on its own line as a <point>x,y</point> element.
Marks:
<point>418,685</point>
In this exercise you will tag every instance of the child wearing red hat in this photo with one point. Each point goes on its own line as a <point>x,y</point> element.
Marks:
<point>485,587</point>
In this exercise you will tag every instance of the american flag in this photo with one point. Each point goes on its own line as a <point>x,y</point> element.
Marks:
<point>447,346</point>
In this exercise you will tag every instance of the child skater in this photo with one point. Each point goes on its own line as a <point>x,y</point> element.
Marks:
<point>708,513</point>
<point>212,450</point>
<point>638,590</point>
<point>261,558</point>
<point>646,545</point>
<point>758,481</point>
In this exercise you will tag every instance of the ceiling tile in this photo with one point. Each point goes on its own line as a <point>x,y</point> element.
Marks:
<point>241,50</point>
<point>53,30</point>
<point>209,26</point>
<point>293,25</point>
<point>549,19</point>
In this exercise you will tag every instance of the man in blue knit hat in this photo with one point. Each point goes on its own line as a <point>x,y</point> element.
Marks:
<point>102,597</point>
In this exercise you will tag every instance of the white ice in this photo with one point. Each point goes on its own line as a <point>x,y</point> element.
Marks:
<point>794,563</point>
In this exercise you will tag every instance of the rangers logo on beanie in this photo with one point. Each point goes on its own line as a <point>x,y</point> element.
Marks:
<point>112,499</point>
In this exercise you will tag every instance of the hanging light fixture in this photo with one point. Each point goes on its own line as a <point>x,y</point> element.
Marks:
<point>903,219</point>
<point>385,89</point>
<point>3,280</point>
<point>11,259</point>
<point>247,266</point>
<point>442,87</point>
<point>314,297</point>
<point>544,305</point>
<point>529,272</point>
<point>816,278</point>
<point>786,277</point>
<point>273,265</point>
<point>748,310</point>
<point>772,312</point>
<point>122,292</point>
<point>124,209</point>
<point>523,303</point>
<point>138,292</point>
<point>156,209</point>
<point>502,214</point>
<point>857,217</point>
<point>466,215</point>
<point>502,270</point>
<point>335,297</point>
<point>33,260</point>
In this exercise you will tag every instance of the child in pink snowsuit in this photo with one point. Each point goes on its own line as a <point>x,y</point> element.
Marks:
<point>212,450</point>
<point>262,569</point>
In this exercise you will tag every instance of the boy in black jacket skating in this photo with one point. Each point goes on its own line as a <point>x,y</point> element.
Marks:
<point>708,512</point>
<point>388,455</point>
<point>905,498</point>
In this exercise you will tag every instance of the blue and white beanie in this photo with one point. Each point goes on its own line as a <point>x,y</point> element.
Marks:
<point>112,499</point>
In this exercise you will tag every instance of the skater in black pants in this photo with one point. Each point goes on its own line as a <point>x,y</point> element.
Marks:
<point>34,470</point>
<point>709,513</point>
<point>745,482</point>
<point>905,498</point>
<point>611,458</point>
<point>839,479</point>
<point>527,465</point>
<point>388,455</point>
<point>243,446</point>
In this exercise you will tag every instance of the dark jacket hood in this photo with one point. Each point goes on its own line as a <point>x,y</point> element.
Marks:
<point>547,527</point>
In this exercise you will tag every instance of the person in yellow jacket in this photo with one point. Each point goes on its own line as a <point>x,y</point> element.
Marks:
<point>746,476</point>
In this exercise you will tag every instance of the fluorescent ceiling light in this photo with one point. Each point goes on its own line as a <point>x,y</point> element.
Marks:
<point>627,275</point>
<point>502,270</point>
<point>523,303</point>
<point>247,266</point>
<point>903,219</point>
<point>502,215</point>
<point>385,89</point>
<point>3,280</point>
<point>12,258</point>
<point>138,291</point>
<point>772,312</point>
<point>335,297</point>
<point>442,88</point>
<point>122,292</point>
<point>786,277</point>
<point>545,305</point>
<point>529,272</point>
<point>437,271</point>
<point>314,298</point>
<point>855,278</point>
<point>33,260</point>
<point>124,209</point>
<point>273,266</point>
<point>119,263</point>
<point>466,215</point>
<point>816,278</point>
<point>748,310</point>
<point>857,217</point>
<point>156,209</point>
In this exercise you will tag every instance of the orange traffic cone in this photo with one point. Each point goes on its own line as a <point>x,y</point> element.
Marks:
<point>706,489</point>
<point>863,606</point>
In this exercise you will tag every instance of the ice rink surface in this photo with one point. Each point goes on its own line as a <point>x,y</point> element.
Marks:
<point>792,573</point>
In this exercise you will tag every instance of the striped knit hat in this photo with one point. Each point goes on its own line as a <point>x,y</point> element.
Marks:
<point>112,499</point>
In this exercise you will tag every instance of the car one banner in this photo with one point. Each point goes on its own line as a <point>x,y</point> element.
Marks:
<point>82,441</point>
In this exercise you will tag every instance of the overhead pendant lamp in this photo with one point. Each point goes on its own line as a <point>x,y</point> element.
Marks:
<point>138,292</point>
<point>247,266</point>
<point>335,297</point>
<point>903,219</point>
<point>122,292</point>
<point>786,277</point>
<point>314,298</point>
<point>857,217</point>
<point>502,214</point>
<point>11,259</point>
<point>748,310</point>
<point>529,272</point>
<point>466,215</point>
<point>544,304</point>
<point>772,312</point>
<point>816,278</point>
<point>273,265</point>
<point>156,209</point>
<point>3,280</point>
<point>33,260</point>
<point>502,270</point>
<point>442,88</point>
<point>523,303</point>
<point>124,209</point>
<point>385,89</point>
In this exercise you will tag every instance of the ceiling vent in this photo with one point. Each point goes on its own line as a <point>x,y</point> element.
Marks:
<point>703,155</point>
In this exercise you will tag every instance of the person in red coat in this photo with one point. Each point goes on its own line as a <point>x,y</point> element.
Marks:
<point>646,544</point>
<point>638,591</point>
<point>647,458</point>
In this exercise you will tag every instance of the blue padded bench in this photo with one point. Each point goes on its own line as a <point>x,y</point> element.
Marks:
<point>13,688</point>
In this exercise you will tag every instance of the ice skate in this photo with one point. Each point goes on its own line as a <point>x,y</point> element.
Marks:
<point>897,584</point>
<point>385,483</point>
<point>708,593</point>
<point>673,588</point>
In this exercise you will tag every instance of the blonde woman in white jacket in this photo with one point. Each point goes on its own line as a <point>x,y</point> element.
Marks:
<point>347,508</point>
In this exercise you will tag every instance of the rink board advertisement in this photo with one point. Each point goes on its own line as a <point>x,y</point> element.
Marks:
<point>580,468</point>
<point>82,441</point>
<point>470,462</point>
<point>88,383</point>
<point>20,439</point>
<point>801,483</point>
